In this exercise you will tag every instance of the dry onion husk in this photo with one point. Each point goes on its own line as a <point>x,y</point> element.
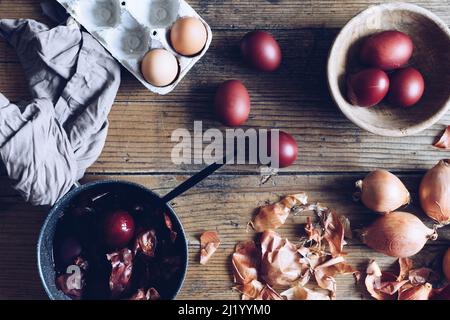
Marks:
<point>299,292</point>
<point>245,261</point>
<point>279,262</point>
<point>151,295</point>
<point>410,284</point>
<point>444,141</point>
<point>209,242</point>
<point>382,285</point>
<point>332,227</point>
<point>418,292</point>
<point>273,216</point>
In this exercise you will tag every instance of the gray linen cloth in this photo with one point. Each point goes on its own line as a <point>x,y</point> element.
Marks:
<point>46,145</point>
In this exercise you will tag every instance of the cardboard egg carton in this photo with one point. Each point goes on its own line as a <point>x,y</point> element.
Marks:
<point>128,29</point>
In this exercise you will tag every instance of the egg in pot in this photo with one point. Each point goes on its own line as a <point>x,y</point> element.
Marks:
<point>160,67</point>
<point>188,36</point>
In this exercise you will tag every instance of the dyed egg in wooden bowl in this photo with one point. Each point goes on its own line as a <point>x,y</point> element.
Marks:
<point>431,57</point>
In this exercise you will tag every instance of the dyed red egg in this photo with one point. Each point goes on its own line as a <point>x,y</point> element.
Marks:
<point>407,87</point>
<point>387,50</point>
<point>67,250</point>
<point>367,87</point>
<point>261,51</point>
<point>232,103</point>
<point>118,229</point>
<point>287,149</point>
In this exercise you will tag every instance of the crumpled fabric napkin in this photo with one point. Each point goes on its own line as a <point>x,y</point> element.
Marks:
<point>47,144</point>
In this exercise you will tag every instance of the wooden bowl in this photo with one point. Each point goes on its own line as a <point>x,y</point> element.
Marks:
<point>431,38</point>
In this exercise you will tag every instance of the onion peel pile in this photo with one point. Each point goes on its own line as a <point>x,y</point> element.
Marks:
<point>209,242</point>
<point>274,215</point>
<point>444,141</point>
<point>331,227</point>
<point>410,284</point>
<point>279,263</point>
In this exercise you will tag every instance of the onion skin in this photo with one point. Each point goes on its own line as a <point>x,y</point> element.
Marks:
<point>383,192</point>
<point>446,264</point>
<point>420,292</point>
<point>434,192</point>
<point>399,234</point>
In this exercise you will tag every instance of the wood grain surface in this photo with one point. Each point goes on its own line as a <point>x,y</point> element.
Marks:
<point>265,14</point>
<point>224,203</point>
<point>294,99</point>
<point>334,153</point>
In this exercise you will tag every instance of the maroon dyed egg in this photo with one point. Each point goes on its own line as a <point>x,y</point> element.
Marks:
<point>407,87</point>
<point>232,103</point>
<point>287,149</point>
<point>118,229</point>
<point>367,87</point>
<point>387,50</point>
<point>67,250</point>
<point>261,51</point>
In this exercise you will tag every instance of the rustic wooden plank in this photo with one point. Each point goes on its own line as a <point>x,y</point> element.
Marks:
<point>283,14</point>
<point>301,76</point>
<point>224,203</point>
<point>294,99</point>
<point>327,141</point>
<point>213,281</point>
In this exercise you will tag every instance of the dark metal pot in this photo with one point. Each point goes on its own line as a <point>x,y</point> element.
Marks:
<point>46,263</point>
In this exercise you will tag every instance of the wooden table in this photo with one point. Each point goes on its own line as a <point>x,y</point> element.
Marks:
<point>334,153</point>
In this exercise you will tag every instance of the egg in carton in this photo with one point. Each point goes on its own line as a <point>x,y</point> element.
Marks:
<point>148,37</point>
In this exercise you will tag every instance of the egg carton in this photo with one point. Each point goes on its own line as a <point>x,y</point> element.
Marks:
<point>128,29</point>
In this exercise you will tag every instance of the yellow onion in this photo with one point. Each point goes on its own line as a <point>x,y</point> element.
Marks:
<point>446,264</point>
<point>399,234</point>
<point>434,192</point>
<point>383,192</point>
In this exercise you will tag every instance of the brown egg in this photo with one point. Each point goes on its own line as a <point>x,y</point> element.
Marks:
<point>188,36</point>
<point>159,67</point>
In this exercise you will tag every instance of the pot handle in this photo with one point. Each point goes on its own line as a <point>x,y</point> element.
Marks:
<point>195,179</point>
